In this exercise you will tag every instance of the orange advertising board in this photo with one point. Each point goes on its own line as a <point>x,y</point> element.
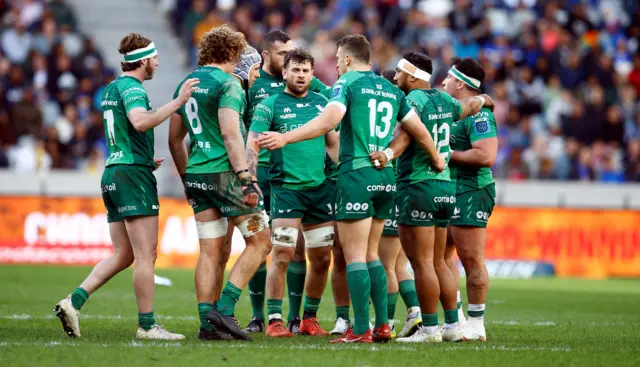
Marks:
<point>592,243</point>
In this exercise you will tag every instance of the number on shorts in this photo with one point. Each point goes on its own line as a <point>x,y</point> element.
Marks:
<point>444,141</point>
<point>191,109</point>
<point>110,120</point>
<point>384,107</point>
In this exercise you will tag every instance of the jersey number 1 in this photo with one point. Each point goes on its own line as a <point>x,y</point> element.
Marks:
<point>387,109</point>
<point>191,108</point>
<point>110,120</point>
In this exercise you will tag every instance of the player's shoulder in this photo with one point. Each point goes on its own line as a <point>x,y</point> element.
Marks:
<point>127,85</point>
<point>270,101</point>
<point>319,96</point>
<point>349,78</point>
<point>485,114</point>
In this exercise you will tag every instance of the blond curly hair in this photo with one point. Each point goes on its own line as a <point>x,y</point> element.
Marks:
<point>221,45</point>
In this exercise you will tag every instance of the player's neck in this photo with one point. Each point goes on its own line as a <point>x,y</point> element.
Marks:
<point>358,67</point>
<point>219,66</point>
<point>421,85</point>
<point>267,69</point>
<point>301,95</point>
<point>465,93</point>
<point>137,74</point>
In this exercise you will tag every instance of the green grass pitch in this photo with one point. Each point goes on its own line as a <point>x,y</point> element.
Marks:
<point>537,322</point>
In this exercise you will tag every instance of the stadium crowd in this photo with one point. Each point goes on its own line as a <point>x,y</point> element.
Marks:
<point>565,75</point>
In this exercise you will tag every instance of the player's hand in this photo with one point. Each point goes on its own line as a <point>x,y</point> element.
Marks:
<point>488,102</point>
<point>378,159</point>
<point>271,140</point>
<point>158,162</point>
<point>186,90</point>
<point>251,196</point>
<point>441,164</point>
<point>255,183</point>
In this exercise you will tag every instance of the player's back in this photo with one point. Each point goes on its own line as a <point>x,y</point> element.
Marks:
<point>373,106</point>
<point>437,111</point>
<point>216,90</point>
<point>125,144</point>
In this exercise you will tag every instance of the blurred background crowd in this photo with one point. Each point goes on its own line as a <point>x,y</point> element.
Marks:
<point>565,75</point>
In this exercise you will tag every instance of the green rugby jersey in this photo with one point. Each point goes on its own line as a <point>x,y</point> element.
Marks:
<point>373,106</point>
<point>125,144</point>
<point>297,166</point>
<point>264,87</point>
<point>216,90</point>
<point>437,111</point>
<point>465,132</point>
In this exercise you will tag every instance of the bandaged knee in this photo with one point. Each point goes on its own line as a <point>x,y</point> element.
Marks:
<point>213,229</point>
<point>257,222</point>
<point>319,237</point>
<point>284,236</point>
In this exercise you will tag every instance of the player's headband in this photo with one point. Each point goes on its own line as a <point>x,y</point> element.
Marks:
<point>472,82</point>
<point>412,70</point>
<point>141,53</point>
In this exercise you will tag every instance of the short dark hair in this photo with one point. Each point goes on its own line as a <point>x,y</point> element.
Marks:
<point>298,55</point>
<point>389,75</point>
<point>357,46</point>
<point>274,36</point>
<point>469,67</point>
<point>419,60</point>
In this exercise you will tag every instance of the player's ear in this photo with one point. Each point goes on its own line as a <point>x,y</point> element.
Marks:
<point>265,54</point>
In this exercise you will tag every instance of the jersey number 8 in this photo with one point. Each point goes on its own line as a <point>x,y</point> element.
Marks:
<point>191,109</point>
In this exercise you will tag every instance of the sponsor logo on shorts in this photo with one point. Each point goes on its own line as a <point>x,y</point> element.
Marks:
<point>193,203</point>
<point>444,199</point>
<point>127,208</point>
<point>155,207</point>
<point>201,186</point>
<point>381,188</point>
<point>356,207</point>
<point>421,215</point>
<point>482,216</point>
<point>109,187</point>
<point>391,223</point>
<point>456,213</point>
<point>228,209</point>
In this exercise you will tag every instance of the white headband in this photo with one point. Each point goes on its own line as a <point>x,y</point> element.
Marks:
<point>412,70</point>
<point>141,53</point>
<point>472,82</point>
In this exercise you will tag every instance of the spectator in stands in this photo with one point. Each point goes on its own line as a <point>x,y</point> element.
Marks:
<point>16,43</point>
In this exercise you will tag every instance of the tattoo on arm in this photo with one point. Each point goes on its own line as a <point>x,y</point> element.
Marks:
<point>252,156</point>
<point>152,112</point>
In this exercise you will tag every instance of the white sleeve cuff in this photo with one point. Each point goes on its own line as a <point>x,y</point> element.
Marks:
<point>343,108</point>
<point>408,115</point>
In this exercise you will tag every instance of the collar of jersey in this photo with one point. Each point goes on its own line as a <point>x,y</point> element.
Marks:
<point>264,74</point>
<point>131,77</point>
<point>210,67</point>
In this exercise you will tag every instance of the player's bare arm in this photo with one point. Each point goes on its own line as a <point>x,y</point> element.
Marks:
<point>332,142</point>
<point>473,105</point>
<point>232,138</point>
<point>325,122</point>
<point>399,144</point>
<point>179,154</point>
<point>482,154</point>
<point>143,120</point>
<point>252,150</point>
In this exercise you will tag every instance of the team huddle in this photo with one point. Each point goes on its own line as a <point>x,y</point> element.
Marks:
<point>375,172</point>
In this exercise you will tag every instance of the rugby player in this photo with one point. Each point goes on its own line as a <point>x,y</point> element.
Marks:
<point>129,187</point>
<point>368,106</point>
<point>300,191</point>
<point>426,198</point>
<point>217,181</point>
<point>275,46</point>
<point>474,146</point>
<point>399,279</point>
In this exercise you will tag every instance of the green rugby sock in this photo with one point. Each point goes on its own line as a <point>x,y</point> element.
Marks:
<point>230,296</point>
<point>78,298</point>
<point>378,279</point>
<point>430,319</point>
<point>146,320</point>
<point>257,286</point>
<point>311,306</point>
<point>342,311</point>
<point>408,293</point>
<point>451,316</point>
<point>392,299</point>
<point>274,307</point>
<point>203,309</point>
<point>359,290</point>
<point>296,275</point>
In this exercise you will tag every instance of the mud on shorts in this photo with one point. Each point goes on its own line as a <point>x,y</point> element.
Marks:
<point>426,203</point>
<point>129,190</point>
<point>220,191</point>
<point>474,207</point>
<point>314,205</point>
<point>365,193</point>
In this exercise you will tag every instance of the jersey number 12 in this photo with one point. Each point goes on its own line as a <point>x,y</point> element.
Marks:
<point>441,141</point>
